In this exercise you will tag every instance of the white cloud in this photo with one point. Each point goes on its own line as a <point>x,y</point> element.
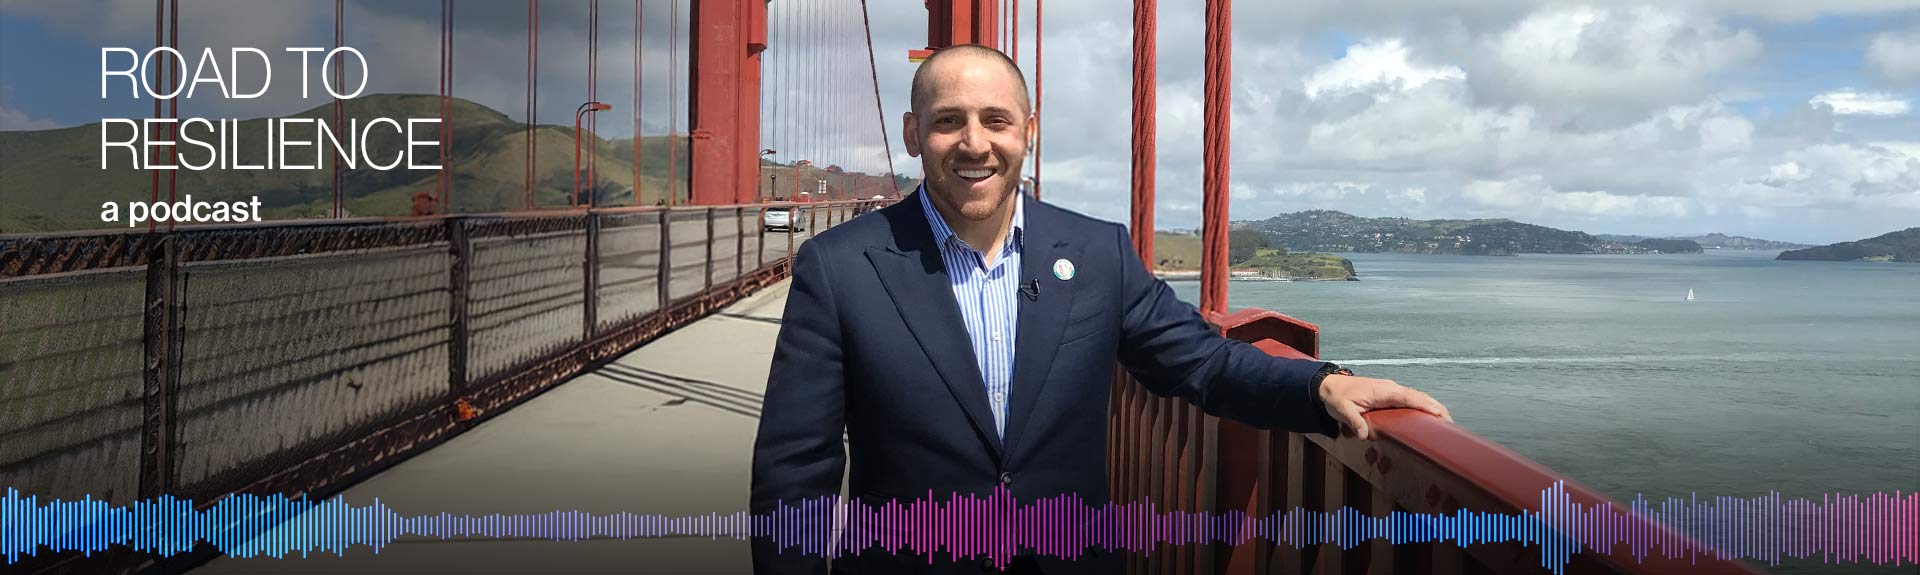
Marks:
<point>1532,195</point>
<point>1609,64</point>
<point>1851,103</point>
<point>12,119</point>
<point>1896,55</point>
<point>1375,66</point>
<point>1785,173</point>
<point>1725,133</point>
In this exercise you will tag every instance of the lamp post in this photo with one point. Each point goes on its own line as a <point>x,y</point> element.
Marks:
<point>577,114</point>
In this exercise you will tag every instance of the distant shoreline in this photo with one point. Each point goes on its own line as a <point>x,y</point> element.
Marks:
<point>1194,275</point>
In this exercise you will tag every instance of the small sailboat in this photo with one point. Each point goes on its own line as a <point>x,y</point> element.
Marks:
<point>1689,294</point>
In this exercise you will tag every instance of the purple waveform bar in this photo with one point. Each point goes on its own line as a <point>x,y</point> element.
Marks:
<point>1878,529</point>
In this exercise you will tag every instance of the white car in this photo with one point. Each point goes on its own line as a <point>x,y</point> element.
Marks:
<point>784,218</point>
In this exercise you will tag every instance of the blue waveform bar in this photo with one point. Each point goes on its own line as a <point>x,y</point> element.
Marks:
<point>1881,529</point>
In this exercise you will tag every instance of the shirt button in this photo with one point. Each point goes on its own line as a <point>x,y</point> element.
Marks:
<point>996,336</point>
<point>999,397</point>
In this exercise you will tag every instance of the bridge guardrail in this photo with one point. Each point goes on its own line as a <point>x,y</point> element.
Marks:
<point>1168,451</point>
<point>297,357</point>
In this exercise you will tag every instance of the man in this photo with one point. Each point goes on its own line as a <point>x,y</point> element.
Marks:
<point>964,339</point>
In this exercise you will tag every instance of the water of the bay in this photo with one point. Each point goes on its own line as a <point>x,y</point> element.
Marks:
<point>1796,377</point>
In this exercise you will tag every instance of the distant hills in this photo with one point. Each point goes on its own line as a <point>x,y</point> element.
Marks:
<point>1334,231</point>
<point>1178,253</point>
<point>1900,246</point>
<point>51,179</point>
<point>1714,241</point>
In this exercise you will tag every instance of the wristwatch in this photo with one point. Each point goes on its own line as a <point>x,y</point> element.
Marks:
<point>1313,390</point>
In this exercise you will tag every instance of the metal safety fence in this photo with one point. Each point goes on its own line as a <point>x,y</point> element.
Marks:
<point>296,358</point>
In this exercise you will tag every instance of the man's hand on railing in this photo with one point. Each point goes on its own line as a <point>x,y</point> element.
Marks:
<point>1346,397</point>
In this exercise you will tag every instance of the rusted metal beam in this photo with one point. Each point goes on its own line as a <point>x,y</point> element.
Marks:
<point>158,397</point>
<point>709,242</point>
<point>590,276</point>
<point>459,285</point>
<point>666,258</point>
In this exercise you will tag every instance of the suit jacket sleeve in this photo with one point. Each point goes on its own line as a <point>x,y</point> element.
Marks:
<point>798,453</point>
<point>1173,351</point>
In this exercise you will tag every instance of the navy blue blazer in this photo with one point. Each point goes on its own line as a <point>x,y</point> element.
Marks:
<point>873,346</point>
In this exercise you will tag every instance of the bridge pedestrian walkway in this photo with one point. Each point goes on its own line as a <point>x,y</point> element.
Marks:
<point>666,429</point>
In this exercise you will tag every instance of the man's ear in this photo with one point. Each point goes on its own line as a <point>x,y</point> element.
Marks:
<point>1033,131</point>
<point>911,134</point>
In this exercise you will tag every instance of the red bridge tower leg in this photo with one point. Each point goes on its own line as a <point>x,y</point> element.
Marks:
<point>727,37</point>
<point>954,22</point>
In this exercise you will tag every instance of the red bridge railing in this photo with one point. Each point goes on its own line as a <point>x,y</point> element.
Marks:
<point>1168,451</point>
<point>299,357</point>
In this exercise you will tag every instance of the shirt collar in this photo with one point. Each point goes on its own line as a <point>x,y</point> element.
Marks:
<point>943,234</point>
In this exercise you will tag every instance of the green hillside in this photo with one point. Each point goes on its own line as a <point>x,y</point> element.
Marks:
<point>1182,252</point>
<point>1333,231</point>
<point>51,179</point>
<point>1900,246</point>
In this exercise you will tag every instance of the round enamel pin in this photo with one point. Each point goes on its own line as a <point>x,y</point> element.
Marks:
<point>1063,269</point>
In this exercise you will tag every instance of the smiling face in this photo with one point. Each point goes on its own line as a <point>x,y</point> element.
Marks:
<point>970,129</point>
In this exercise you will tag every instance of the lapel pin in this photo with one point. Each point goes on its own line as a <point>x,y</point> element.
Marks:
<point>1063,269</point>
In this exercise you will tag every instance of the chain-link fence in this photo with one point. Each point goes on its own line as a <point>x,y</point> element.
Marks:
<point>292,358</point>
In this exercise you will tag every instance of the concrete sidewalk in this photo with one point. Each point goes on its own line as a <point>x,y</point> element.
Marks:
<point>666,429</point>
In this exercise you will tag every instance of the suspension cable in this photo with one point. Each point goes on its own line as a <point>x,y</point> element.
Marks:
<point>1039,79</point>
<point>636,108</point>
<point>339,106</point>
<point>533,43</point>
<point>873,75</point>
<point>673,101</point>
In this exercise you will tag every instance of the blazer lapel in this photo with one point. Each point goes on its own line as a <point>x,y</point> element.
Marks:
<point>916,280</point>
<point>1042,319</point>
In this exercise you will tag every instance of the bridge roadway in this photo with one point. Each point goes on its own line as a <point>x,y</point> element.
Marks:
<point>665,429</point>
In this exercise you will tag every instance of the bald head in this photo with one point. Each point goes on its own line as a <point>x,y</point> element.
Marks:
<point>925,79</point>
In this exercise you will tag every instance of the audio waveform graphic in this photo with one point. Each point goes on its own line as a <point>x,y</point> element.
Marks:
<point>1881,528</point>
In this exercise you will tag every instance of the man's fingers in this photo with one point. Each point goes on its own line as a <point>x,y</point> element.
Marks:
<point>1416,399</point>
<point>1427,403</point>
<point>1350,415</point>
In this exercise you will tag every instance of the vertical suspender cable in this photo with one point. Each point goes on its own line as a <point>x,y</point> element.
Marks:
<point>159,40</point>
<point>816,67</point>
<point>339,106</point>
<point>534,118</point>
<point>446,126</point>
<point>839,98</point>
<point>593,92</point>
<point>782,52</point>
<point>1016,32</point>
<point>809,106</point>
<point>835,86</point>
<point>527,153</point>
<point>636,106</point>
<point>440,88</point>
<point>440,178</point>
<point>173,107</point>
<point>673,101</point>
<point>1145,84</point>
<point>1217,138</point>
<point>1039,79</point>
<point>779,50</point>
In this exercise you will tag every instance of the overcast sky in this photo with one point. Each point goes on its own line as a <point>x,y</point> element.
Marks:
<point>1787,120</point>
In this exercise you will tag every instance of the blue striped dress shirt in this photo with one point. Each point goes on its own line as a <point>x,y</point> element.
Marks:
<point>988,300</point>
